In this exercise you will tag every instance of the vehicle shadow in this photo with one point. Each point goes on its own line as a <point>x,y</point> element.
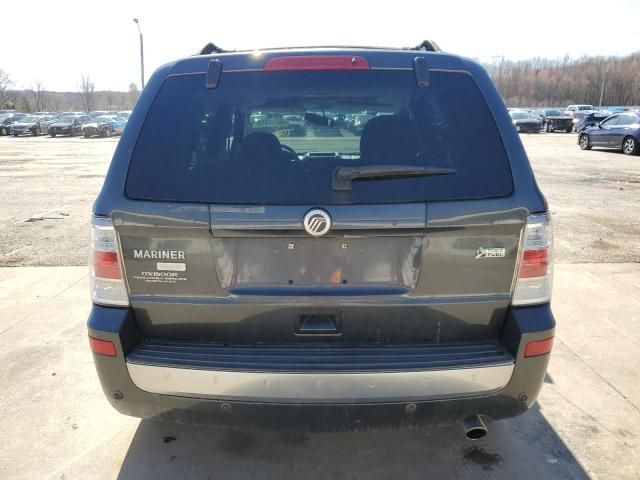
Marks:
<point>524,447</point>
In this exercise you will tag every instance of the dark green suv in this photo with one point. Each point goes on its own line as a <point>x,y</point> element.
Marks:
<point>265,264</point>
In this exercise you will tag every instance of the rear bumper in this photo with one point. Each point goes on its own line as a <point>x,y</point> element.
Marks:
<point>529,128</point>
<point>560,125</point>
<point>319,401</point>
<point>320,374</point>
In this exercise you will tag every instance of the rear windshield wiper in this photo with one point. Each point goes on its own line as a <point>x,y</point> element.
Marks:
<point>342,176</point>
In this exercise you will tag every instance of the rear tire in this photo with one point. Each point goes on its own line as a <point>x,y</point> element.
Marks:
<point>569,130</point>
<point>86,135</point>
<point>549,128</point>
<point>106,132</point>
<point>585,142</point>
<point>52,134</point>
<point>630,146</point>
<point>3,131</point>
<point>15,134</point>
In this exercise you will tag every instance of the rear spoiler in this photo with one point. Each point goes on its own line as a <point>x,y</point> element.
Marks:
<point>317,62</point>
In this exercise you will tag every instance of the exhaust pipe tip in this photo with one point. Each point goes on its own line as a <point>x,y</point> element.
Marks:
<point>474,428</point>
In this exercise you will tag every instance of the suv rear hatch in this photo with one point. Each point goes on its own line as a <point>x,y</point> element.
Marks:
<point>212,237</point>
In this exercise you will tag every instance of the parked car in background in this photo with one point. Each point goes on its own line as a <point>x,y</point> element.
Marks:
<point>525,122</point>
<point>294,125</point>
<point>99,113</point>
<point>618,109</point>
<point>8,119</point>
<point>321,123</point>
<point>104,126</point>
<point>580,108</point>
<point>124,114</point>
<point>32,125</point>
<point>538,111</point>
<point>347,120</point>
<point>54,115</point>
<point>359,121</point>
<point>621,132</point>
<point>553,120</point>
<point>590,119</point>
<point>68,125</point>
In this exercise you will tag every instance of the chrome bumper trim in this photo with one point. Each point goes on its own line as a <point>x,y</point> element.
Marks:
<point>320,387</point>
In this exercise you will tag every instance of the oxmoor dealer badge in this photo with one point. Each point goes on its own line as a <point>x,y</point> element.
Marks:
<point>159,277</point>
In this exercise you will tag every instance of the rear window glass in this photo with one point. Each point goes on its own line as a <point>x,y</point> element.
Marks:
<point>278,137</point>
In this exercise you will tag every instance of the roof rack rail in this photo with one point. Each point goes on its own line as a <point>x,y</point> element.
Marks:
<point>427,46</point>
<point>210,48</point>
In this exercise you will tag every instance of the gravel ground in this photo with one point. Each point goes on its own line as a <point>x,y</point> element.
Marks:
<point>594,198</point>
<point>47,186</point>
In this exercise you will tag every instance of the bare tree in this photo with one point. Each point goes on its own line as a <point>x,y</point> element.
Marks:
<point>56,103</point>
<point>88,88</point>
<point>25,105</point>
<point>563,81</point>
<point>111,101</point>
<point>39,96</point>
<point>5,94</point>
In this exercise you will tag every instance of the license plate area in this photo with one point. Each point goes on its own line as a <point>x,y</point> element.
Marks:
<point>303,262</point>
<point>319,323</point>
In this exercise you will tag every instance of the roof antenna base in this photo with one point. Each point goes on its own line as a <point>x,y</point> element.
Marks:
<point>210,48</point>
<point>426,46</point>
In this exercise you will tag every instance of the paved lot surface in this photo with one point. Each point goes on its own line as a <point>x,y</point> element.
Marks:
<point>47,187</point>
<point>56,423</point>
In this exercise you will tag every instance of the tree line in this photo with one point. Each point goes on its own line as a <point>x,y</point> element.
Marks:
<point>539,82</point>
<point>39,99</point>
<point>543,82</point>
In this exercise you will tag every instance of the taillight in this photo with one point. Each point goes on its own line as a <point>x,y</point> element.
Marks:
<point>535,272</point>
<point>107,283</point>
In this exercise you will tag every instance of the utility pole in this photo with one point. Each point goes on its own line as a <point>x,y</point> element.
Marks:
<point>137,22</point>
<point>604,79</point>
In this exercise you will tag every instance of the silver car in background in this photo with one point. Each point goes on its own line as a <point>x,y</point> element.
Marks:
<point>32,125</point>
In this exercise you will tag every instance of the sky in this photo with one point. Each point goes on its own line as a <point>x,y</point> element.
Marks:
<point>59,42</point>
